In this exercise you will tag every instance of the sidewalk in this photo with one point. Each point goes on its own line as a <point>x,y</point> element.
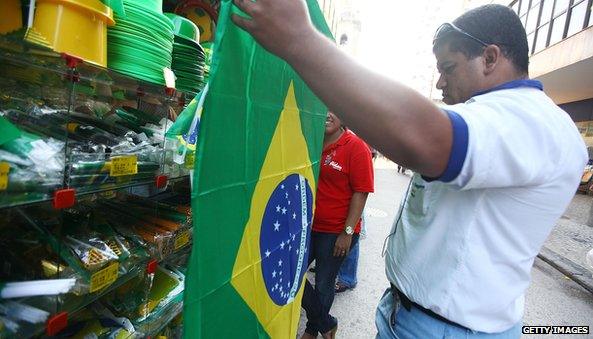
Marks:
<point>552,298</point>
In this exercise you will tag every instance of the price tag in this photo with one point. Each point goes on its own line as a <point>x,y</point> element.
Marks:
<point>169,77</point>
<point>190,157</point>
<point>104,277</point>
<point>124,165</point>
<point>4,169</point>
<point>181,240</point>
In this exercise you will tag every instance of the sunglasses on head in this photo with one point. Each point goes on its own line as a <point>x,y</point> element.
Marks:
<point>448,28</point>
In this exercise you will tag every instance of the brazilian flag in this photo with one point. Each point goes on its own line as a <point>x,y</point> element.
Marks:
<point>257,163</point>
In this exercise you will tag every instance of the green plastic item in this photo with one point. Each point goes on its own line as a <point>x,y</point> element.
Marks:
<point>184,28</point>
<point>141,43</point>
<point>8,131</point>
<point>151,5</point>
<point>116,5</point>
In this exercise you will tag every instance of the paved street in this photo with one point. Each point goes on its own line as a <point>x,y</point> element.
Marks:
<point>552,298</point>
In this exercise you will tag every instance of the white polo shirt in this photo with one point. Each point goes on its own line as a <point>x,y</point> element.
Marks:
<point>464,244</point>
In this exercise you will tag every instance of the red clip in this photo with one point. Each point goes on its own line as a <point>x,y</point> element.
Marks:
<point>151,266</point>
<point>170,91</point>
<point>64,198</point>
<point>56,323</point>
<point>161,181</point>
<point>71,61</point>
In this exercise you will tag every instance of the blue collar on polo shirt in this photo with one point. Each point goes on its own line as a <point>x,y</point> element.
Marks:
<point>514,84</point>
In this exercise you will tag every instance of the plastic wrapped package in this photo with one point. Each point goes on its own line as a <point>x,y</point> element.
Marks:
<point>16,315</point>
<point>90,247</point>
<point>24,255</point>
<point>165,301</point>
<point>34,164</point>
<point>149,302</point>
<point>157,242</point>
<point>173,330</point>
<point>98,322</point>
<point>160,228</point>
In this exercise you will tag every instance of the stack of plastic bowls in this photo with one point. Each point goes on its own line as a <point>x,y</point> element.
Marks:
<point>141,43</point>
<point>188,55</point>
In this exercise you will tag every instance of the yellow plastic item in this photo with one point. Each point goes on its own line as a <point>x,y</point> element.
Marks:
<point>204,22</point>
<point>75,27</point>
<point>11,17</point>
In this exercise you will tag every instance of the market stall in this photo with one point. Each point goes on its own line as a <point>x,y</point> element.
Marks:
<point>98,127</point>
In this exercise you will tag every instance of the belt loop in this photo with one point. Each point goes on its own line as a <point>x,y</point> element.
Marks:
<point>403,300</point>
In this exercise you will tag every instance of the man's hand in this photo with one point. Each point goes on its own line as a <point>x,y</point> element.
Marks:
<point>280,26</point>
<point>342,246</point>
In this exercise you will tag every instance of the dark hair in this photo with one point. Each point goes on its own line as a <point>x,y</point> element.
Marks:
<point>493,24</point>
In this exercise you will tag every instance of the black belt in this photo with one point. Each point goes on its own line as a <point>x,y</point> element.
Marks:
<point>407,304</point>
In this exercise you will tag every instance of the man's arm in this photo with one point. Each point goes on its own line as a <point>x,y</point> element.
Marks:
<point>406,127</point>
<point>342,246</point>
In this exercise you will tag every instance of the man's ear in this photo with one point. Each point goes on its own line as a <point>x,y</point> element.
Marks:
<point>492,55</point>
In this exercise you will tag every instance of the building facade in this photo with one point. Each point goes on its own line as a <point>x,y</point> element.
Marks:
<point>560,36</point>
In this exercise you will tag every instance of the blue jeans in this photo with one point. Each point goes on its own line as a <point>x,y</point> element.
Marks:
<point>347,273</point>
<point>394,321</point>
<point>318,300</point>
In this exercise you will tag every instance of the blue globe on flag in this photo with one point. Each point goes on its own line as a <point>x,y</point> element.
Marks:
<point>284,238</point>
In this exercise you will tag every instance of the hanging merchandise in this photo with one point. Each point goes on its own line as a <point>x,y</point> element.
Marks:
<point>140,44</point>
<point>75,27</point>
<point>188,55</point>
<point>203,13</point>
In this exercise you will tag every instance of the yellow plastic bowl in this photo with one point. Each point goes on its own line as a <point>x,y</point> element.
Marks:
<point>11,18</point>
<point>75,27</point>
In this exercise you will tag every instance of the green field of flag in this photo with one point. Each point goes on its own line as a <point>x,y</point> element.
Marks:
<point>257,163</point>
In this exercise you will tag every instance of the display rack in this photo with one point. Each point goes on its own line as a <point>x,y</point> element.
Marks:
<point>89,181</point>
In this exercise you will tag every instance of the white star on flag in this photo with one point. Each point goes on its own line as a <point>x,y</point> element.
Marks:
<point>276,226</point>
<point>283,210</point>
<point>268,253</point>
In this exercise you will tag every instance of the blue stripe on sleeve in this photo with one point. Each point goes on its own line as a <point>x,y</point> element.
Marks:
<point>458,148</point>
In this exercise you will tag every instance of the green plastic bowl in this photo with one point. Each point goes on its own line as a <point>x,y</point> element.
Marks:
<point>151,5</point>
<point>184,28</point>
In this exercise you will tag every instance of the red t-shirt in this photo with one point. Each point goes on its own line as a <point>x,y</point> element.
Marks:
<point>346,167</point>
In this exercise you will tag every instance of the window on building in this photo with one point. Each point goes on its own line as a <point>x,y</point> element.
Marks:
<point>578,14</point>
<point>523,6</point>
<point>530,38</point>
<point>561,7</point>
<point>532,17</point>
<point>590,14</point>
<point>541,38</point>
<point>558,29</point>
<point>547,8</point>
